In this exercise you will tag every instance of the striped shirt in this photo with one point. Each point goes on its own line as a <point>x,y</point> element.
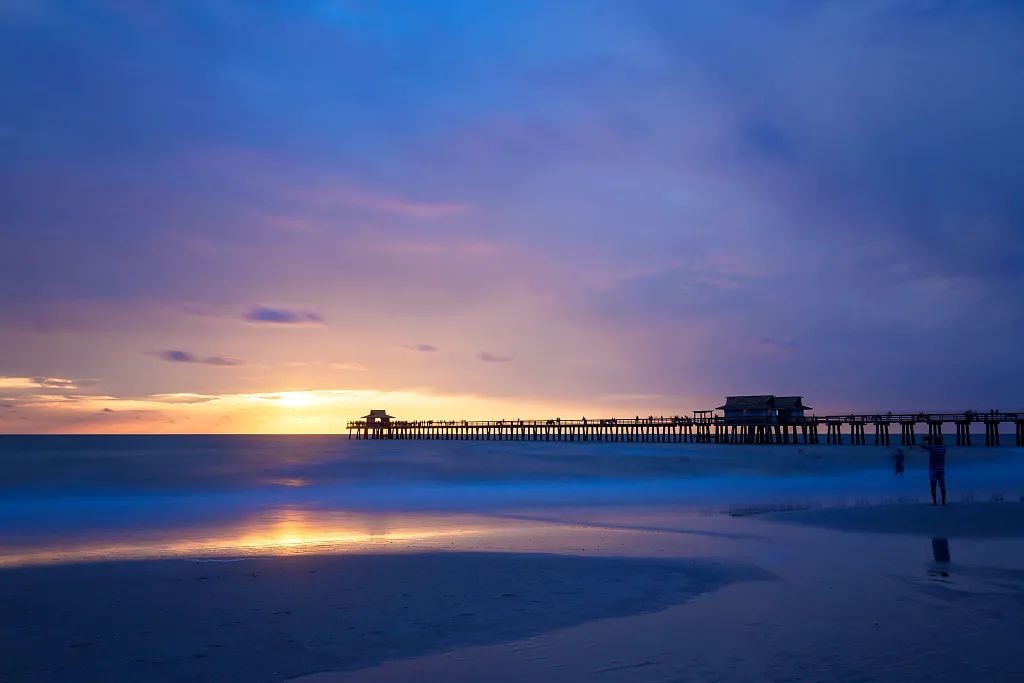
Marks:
<point>936,457</point>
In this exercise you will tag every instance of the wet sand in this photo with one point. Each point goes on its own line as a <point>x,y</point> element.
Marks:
<point>844,606</point>
<point>955,520</point>
<point>266,619</point>
<point>625,594</point>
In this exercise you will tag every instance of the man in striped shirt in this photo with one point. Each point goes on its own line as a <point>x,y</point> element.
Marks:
<point>936,466</point>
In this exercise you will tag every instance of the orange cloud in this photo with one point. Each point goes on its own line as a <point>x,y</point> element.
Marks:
<point>36,383</point>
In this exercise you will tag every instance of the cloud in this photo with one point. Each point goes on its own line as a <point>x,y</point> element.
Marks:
<point>421,347</point>
<point>402,207</point>
<point>221,360</point>
<point>356,367</point>
<point>183,397</point>
<point>17,383</point>
<point>37,383</point>
<point>283,316</point>
<point>328,193</point>
<point>491,358</point>
<point>54,382</point>
<point>771,344</point>
<point>332,365</point>
<point>177,356</point>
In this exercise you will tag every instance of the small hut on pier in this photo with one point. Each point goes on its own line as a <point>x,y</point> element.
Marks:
<point>378,419</point>
<point>749,409</point>
<point>790,409</point>
<point>764,409</point>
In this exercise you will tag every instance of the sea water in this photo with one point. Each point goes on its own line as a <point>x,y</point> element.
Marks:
<point>75,497</point>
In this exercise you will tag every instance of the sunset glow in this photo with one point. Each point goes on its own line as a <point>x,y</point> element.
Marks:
<point>303,412</point>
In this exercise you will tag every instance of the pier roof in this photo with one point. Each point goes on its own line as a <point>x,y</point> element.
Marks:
<point>765,402</point>
<point>790,403</point>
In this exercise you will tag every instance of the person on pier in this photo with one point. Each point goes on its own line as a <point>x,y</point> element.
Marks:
<point>936,465</point>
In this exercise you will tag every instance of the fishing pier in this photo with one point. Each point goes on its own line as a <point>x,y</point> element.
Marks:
<point>735,426</point>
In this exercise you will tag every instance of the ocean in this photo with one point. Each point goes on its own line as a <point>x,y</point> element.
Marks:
<point>65,497</point>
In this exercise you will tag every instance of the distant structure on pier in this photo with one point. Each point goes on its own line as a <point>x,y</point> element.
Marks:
<point>762,409</point>
<point>378,418</point>
<point>760,419</point>
<point>377,424</point>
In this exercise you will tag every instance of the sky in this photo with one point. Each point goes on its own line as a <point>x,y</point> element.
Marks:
<point>272,217</point>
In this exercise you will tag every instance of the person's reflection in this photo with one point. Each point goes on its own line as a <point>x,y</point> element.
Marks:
<point>940,556</point>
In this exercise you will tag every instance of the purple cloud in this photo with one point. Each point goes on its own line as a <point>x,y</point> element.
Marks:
<point>422,347</point>
<point>177,356</point>
<point>491,358</point>
<point>283,316</point>
<point>220,360</point>
<point>772,344</point>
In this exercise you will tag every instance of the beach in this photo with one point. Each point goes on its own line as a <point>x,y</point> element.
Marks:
<point>317,559</point>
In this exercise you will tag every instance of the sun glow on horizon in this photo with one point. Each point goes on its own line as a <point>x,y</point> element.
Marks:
<point>314,411</point>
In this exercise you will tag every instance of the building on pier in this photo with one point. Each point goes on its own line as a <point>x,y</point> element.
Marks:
<point>790,409</point>
<point>764,409</point>
<point>377,425</point>
<point>378,419</point>
<point>747,409</point>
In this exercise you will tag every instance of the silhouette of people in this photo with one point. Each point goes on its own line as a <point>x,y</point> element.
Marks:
<point>898,462</point>
<point>936,466</point>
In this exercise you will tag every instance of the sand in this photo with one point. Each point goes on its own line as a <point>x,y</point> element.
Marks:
<point>268,619</point>
<point>956,520</point>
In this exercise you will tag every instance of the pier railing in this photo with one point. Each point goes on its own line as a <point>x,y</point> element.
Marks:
<point>704,428</point>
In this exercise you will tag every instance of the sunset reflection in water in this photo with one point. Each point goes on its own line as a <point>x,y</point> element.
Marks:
<point>284,531</point>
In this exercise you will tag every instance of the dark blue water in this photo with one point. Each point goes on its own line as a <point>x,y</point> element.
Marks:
<point>70,487</point>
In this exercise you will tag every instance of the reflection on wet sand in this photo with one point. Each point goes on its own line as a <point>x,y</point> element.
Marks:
<point>277,532</point>
<point>940,555</point>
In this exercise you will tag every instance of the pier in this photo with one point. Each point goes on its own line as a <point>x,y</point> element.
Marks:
<point>707,427</point>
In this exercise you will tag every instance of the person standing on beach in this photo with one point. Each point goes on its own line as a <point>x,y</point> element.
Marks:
<point>936,466</point>
<point>898,458</point>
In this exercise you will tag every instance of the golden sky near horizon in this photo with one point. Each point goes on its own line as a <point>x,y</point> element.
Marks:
<point>281,412</point>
